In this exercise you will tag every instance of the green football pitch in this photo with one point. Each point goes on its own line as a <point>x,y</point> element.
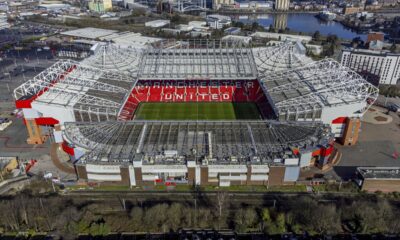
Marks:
<point>197,111</point>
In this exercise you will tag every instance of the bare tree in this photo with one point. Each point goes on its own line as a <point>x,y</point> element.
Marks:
<point>222,198</point>
<point>221,201</point>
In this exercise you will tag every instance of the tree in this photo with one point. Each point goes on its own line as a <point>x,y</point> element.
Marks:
<point>357,41</point>
<point>393,48</point>
<point>245,219</point>
<point>222,198</point>
<point>137,218</point>
<point>176,18</point>
<point>155,218</point>
<point>317,36</point>
<point>205,218</point>
<point>333,39</point>
<point>175,214</point>
<point>254,26</point>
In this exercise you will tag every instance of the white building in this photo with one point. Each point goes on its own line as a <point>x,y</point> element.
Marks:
<point>282,5</point>
<point>234,38</point>
<point>217,21</point>
<point>157,23</point>
<point>3,22</point>
<point>54,7</point>
<point>217,4</point>
<point>381,66</point>
<point>282,37</point>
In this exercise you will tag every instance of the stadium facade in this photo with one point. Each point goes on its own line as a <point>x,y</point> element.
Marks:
<point>89,108</point>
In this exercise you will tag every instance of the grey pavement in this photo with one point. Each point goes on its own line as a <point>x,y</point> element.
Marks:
<point>376,145</point>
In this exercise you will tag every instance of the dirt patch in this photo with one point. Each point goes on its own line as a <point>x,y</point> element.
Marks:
<point>371,110</point>
<point>380,119</point>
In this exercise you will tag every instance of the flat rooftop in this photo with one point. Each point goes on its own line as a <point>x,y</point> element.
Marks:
<point>89,33</point>
<point>383,173</point>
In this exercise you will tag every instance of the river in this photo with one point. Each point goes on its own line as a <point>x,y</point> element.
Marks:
<point>306,23</point>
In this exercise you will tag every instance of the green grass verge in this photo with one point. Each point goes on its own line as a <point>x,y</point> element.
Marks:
<point>197,111</point>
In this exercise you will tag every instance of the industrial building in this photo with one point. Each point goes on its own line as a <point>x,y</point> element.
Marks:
<point>120,39</point>
<point>384,179</point>
<point>378,67</point>
<point>89,108</point>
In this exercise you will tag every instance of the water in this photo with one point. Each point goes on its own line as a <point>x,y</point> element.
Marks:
<point>300,22</point>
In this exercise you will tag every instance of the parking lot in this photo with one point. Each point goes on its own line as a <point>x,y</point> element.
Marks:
<point>15,69</point>
<point>376,147</point>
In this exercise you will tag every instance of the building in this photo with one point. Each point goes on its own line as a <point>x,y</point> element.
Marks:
<point>235,38</point>
<point>315,49</point>
<point>22,6</point>
<point>129,39</point>
<point>55,7</point>
<point>217,4</point>
<point>232,30</point>
<point>217,21</point>
<point>384,179</point>
<point>157,23</point>
<point>89,109</point>
<point>282,37</point>
<point>88,33</point>
<point>375,36</point>
<point>254,5</point>
<point>4,6</point>
<point>282,5</point>
<point>198,24</point>
<point>121,39</point>
<point>100,5</point>
<point>379,67</point>
<point>280,21</point>
<point>4,22</point>
<point>350,10</point>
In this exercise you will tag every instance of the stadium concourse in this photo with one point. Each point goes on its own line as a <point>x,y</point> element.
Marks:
<point>174,114</point>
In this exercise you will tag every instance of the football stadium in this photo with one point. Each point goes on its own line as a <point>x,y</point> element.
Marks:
<point>199,112</point>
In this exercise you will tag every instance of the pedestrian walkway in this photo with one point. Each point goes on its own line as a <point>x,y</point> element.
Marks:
<point>377,115</point>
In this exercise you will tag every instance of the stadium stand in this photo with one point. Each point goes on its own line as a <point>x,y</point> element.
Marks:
<point>195,91</point>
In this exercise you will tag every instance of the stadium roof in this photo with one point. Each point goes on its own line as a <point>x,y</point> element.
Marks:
<point>207,62</point>
<point>316,85</point>
<point>287,55</point>
<point>90,91</point>
<point>98,86</point>
<point>195,60</point>
<point>110,57</point>
<point>214,141</point>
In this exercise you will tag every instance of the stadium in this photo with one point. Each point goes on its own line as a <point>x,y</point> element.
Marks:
<point>200,112</point>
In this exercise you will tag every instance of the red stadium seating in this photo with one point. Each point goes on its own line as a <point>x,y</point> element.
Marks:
<point>195,91</point>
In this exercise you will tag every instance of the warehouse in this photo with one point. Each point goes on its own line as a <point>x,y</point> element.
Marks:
<point>384,179</point>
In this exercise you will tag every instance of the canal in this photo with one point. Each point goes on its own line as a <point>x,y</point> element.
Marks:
<point>305,23</point>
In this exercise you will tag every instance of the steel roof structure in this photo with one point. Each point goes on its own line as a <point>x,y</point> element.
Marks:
<point>316,85</point>
<point>214,141</point>
<point>97,88</point>
<point>287,55</point>
<point>111,57</point>
<point>199,60</point>
<point>94,94</point>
